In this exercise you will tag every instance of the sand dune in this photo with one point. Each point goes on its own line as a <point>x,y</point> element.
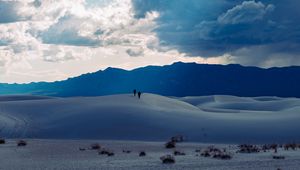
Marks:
<point>221,119</point>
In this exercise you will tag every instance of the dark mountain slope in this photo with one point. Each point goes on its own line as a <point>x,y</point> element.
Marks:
<point>178,79</point>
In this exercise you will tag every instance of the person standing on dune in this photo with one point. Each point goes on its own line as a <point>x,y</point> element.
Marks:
<point>139,94</point>
<point>134,92</point>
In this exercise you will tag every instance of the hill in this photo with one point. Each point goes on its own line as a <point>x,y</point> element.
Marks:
<point>178,79</point>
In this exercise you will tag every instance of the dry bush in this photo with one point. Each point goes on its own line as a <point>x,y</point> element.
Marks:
<point>216,153</point>
<point>178,153</point>
<point>106,152</point>
<point>2,141</point>
<point>170,145</point>
<point>82,149</point>
<point>292,146</point>
<point>126,151</point>
<point>142,153</point>
<point>198,150</point>
<point>95,146</point>
<point>21,143</point>
<point>205,154</point>
<point>278,157</point>
<point>222,155</point>
<point>167,159</point>
<point>245,148</point>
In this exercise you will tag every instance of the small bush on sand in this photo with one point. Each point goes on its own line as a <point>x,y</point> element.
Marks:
<point>170,145</point>
<point>126,151</point>
<point>142,153</point>
<point>111,154</point>
<point>205,154</point>
<point>21,143</point>
<point>178,153</point>
<point>2,141</point>
<point>167,159</point>
<point>216,153</point>
<point>245,148</point>
<point>198,150</point>
<point>222,155</point>
<point>278,157</point>
<point>292,146</point>
<point>269,147</point>
<point>106,152</point>
<point>95,146</point>
<point>82,149</point>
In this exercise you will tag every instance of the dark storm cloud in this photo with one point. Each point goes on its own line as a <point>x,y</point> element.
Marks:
<point>212,28</point>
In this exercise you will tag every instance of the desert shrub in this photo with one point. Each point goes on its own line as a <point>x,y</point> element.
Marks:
<point>270,147</point>
<point>170,145</point>
<point>278,157</point>
<point>178,153</point>
<point>167,159</point>
<point>245,148</point>
<point>198,150</point>
<point>2,141</point>
<point>205,154</point>
<point>142,153</point>
<point>103,152</point>
<point>222,155</point>
<point>21,143</point>
<point>126,151</point>
<point>82,149</point>
<point>110,154</point>
<point>95,146</point>
<point>292,146</point>
<point>106,152</point>
<point>216,153</point>
<point>213,149</point>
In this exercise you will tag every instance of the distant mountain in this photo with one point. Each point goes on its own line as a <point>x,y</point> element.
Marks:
<point>178,79</point>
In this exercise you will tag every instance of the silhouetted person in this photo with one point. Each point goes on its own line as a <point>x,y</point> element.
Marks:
<point>139,94</point>
<point>134,92</point>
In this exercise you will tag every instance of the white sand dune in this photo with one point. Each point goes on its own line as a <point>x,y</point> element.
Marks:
<point>221,119</point>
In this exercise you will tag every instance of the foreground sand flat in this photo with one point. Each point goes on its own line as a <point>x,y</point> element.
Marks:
<point>65,154</point>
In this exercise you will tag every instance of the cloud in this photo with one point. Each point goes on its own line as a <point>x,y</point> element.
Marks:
<point>9,11</point>
<point>269,55</point>
<point>66,32</point>
<point>135,52</point>
<point>226,27</point>
<point>247,12</point>
<point>77,37</point>
<point>81,36</point>
<point>36,3</point>
<point>54,53</point>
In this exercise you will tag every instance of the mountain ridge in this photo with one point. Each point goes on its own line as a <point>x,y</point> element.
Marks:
<point>178,79</point>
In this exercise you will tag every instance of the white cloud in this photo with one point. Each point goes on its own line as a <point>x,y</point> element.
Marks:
<point>56,39</point>
<point>247,12</point>
<point>65,53</point>
<point>135,52</point>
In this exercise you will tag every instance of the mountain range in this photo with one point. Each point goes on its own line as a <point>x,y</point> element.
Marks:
<point>178,79</point>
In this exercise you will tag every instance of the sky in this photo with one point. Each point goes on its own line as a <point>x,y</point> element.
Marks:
<point>49,40</point>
